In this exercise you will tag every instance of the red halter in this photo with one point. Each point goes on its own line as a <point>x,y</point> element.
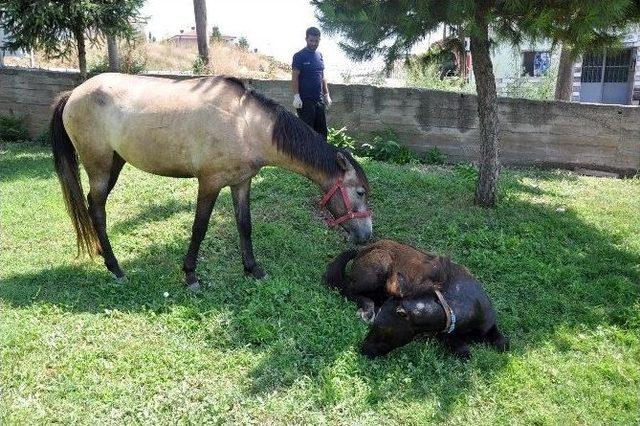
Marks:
<point>347,205</point>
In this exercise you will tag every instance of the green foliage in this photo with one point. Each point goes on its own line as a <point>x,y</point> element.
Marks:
<point>133,60</point>
<point>340,138</point>
<point>13,129</point>
<point>391,29</point>
<point>384,146</point>
<point>54,26</point>
<point>216,35</point>
<point>435,156</point>
<point>243,43</point>
<point>199,67</point>
<point>559,258</point>
<point>429,76</point>
<point>537,88</point>
<point>467,173</point>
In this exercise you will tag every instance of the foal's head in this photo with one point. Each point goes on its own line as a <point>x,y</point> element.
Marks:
<point>400,319</point>
<point>347,198</point>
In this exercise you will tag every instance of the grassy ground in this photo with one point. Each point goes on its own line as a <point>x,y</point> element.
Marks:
<point>560,257</point>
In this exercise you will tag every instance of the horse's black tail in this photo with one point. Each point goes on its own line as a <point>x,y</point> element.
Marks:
<point>334,276</point>
<point>66,164</point>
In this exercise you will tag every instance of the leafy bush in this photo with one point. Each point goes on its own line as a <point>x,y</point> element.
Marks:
<point>99,66</point>
<point>434,156</point>
<point>199,67</point>
<point>429,77</point>
<point>13,128</point>
<point>385,147</point>
<point>133,60</point>
<point>340,138</point>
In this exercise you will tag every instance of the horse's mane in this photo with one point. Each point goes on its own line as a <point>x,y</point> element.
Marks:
<point>294,137</point>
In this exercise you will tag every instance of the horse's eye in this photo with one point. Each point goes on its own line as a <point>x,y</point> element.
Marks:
<point>360,192</point>
<point>401,312</point>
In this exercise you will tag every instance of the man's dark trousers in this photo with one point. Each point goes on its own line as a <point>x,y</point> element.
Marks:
<point>313,113</point>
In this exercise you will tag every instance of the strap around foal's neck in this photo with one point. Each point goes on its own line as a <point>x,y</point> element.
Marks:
<point>451,316</point>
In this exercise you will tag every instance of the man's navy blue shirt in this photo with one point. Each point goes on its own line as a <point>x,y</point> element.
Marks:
<point>311,67</point>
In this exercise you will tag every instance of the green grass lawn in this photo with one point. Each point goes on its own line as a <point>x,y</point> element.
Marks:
<point>559,256</point>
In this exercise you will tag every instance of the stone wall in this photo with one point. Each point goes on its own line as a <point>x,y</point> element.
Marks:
<point>539,133</point>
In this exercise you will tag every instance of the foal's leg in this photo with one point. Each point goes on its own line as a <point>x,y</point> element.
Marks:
<point>207,195</point>
<point>366,307</point>
<point>241,205</point>
<point>496,339</point>
<point>456,345</point>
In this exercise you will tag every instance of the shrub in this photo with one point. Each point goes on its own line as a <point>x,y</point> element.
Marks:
<point>434,156</point>
<point>385,147</point>
<point>13,128</point>
<point>133,60</point>
<point>340,138</point>
<point>199,67</point>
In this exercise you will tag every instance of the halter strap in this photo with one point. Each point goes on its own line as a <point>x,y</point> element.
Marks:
<point>451,316</point>
<point>347,204</point>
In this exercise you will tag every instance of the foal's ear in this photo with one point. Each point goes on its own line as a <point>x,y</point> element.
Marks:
<point>343,162</point>
<point>396,284</point>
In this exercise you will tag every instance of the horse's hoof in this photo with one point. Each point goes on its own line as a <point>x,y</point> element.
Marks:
<point>256,272</point>
<point>122,279</point>
<point>194,287</point>
<point>367,315</point>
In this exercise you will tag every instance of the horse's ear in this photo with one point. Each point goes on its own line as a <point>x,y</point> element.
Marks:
<point>343,162</point>
<point>396,284</point>
<point>439,273</point>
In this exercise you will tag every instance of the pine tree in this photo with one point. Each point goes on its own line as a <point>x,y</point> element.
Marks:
<point>57,27</point>
<point>392,27</point>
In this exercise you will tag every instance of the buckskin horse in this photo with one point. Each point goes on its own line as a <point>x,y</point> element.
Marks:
<point>214,129</point>
<point>405,293</point>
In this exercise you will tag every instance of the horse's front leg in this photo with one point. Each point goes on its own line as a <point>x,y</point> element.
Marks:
<point>241,204</point>
<point>207,195</point>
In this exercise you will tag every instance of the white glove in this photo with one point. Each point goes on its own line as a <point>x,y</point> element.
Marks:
<point>297,102</point>
<point>327,100</point>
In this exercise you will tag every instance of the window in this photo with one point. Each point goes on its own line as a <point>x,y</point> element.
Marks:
<point>535,63</point>
<point>592,67</point>
<point>617,66</point>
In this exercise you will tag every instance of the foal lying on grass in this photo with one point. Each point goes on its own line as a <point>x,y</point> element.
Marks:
<point>404,293</point>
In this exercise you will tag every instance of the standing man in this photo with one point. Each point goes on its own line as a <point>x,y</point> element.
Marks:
<point>311,93</point>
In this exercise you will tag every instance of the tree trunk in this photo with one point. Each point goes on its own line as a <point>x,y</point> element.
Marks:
<point>82,52</point>
<point>564,84</point>
<point>112,49</point>
<point>200,11</point>
<point>488,114</point>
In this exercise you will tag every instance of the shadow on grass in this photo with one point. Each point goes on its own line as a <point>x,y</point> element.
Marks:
<point>544,270</point>
<point>152,213</point>
<point>25,160</point>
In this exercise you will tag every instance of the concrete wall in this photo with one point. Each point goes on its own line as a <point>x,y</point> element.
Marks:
<point>533,132</point>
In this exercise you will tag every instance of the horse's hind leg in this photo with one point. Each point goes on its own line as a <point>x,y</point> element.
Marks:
<point>116,168</point>
<point>100,184</point>
<point>207,195</point>
<point>241,204</point>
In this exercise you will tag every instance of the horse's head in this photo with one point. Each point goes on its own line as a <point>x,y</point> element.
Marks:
<point>346,199</point>
<point>401,319</point>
